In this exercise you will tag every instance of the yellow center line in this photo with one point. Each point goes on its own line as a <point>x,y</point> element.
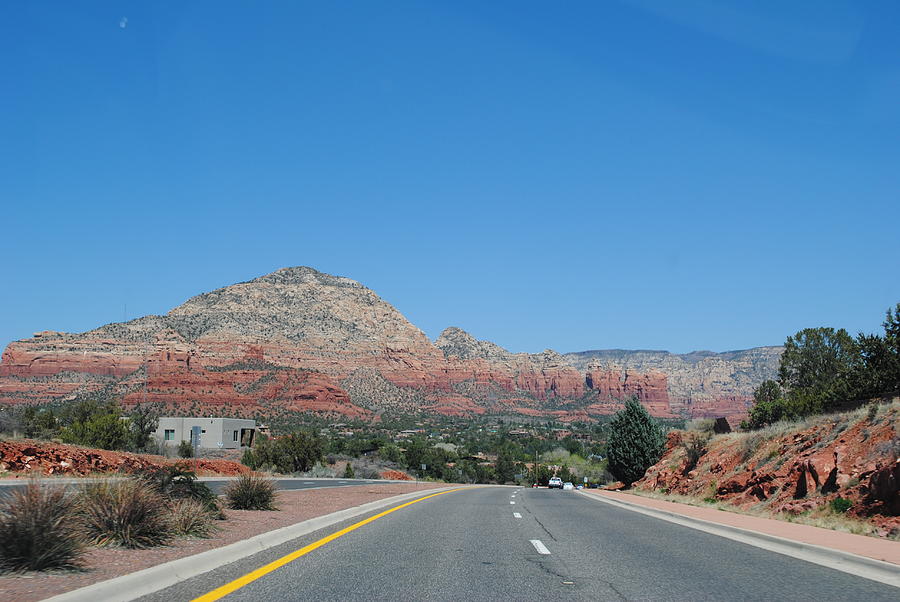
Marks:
<point>240,582</point>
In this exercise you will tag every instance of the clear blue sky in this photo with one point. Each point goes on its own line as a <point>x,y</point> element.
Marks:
<point>573,175</point>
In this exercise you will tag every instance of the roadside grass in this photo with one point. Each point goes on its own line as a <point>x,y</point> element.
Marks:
<point>127,513</point>
<point>251,492</point>
<point>38,531</point>
<point>823,516</point>
<point>191,518</point>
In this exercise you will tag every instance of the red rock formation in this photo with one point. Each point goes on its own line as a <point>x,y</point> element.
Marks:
<point>850,456</point>
<point>46,458</point>
<point>286,340</point>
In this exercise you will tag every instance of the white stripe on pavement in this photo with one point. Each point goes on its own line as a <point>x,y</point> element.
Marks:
<point>513,503</point>
<point>539,546</point>
<point>517,515</point>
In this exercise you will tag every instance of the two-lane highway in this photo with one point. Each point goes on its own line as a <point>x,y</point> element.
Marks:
<point>499,543</point>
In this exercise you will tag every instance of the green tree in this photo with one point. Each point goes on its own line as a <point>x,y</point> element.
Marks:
<point>879,372</point>
<point>348,471</point>
<point>143,422</point>
<point>296,452</point>
<point>504,468</point>
<point>106,431</point>
<point>816,367</point>
<point>635,442</point>
<point>769,406</point>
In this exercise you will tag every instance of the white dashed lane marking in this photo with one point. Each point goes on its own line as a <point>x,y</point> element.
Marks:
<point>517,515</point>
<point>539,546</point>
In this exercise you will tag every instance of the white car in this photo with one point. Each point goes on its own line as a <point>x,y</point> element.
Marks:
<point>555,483</point>
<point>567,486</point>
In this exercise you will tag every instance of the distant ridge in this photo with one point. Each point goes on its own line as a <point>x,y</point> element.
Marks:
<point>301,340</point>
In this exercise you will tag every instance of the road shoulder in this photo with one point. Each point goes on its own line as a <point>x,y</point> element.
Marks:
<point>297,507</point>
<point>874,559</point>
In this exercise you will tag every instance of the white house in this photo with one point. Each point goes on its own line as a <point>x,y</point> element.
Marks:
<point>215,433</point>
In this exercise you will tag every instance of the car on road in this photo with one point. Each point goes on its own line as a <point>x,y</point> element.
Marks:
<point>568,486</point>
<point>555,483</point>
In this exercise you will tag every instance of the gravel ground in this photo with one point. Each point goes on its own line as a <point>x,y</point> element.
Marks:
<point>105,563</point>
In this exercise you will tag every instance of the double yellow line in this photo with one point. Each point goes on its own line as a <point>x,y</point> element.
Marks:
<point>240,582</point>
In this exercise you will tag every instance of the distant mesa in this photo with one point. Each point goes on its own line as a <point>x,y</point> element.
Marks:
<point>299,340</point>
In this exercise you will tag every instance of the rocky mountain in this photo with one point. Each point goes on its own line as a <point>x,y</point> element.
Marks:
<point>301,340</point>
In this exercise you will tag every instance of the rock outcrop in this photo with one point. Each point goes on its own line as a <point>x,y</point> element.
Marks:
<point>796,469</point>
<point>299,340</point>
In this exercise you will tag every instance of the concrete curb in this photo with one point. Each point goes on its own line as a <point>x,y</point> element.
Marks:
<point>861,566</point>
<point>150,580</point>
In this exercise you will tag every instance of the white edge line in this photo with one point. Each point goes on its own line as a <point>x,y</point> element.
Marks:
<point>847,562</point>
<point>539,546</point>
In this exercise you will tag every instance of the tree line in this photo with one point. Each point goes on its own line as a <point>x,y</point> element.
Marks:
<point>823,369</point>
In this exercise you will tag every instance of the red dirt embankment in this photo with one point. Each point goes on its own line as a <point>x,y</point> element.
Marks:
<point>25,457</point>
<point>796,468</point>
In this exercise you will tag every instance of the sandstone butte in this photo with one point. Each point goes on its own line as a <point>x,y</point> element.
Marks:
<point>299,340</point>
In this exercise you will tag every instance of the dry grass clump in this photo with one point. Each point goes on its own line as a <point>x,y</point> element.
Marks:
<point>191,518</point>
<point>38,529</point>
<point>127,513</point>
<point>251,492</point>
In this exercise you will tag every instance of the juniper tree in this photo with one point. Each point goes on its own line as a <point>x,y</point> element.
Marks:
<point>635,442</point>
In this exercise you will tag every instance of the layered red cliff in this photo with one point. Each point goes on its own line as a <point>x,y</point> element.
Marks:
<point>286,341</point>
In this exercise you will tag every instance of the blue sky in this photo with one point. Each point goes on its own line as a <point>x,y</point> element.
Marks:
<point>575,176</point>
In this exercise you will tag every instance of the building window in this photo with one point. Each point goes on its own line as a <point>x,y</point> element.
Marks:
<point>169,435</point>
<point>234,436</point>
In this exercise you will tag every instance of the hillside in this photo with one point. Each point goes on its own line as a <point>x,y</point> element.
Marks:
<point>796,468</point>
<point>299,340</point>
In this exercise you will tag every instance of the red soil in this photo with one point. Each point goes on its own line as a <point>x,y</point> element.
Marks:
<point>47,458</point>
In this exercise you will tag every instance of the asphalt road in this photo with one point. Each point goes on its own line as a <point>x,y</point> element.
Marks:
<point>469,545</point>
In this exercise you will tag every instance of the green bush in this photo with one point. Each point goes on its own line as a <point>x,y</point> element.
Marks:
<point>251,492</point>
<point>39,529</point>
<point>127,512</point>
<point>106,431</point>
<point>348,471</point>
<point>694,444</point>
<point>177,481</point>
<point>840,505</point>
<point>185,450</point>
<point>635,442</point>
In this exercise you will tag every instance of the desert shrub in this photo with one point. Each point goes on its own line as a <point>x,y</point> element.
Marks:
<point>178,481</point>
<point>185,449</point>
<point>128,513</point>
<point>251,492</point>
<point>367,472</point>
<point>39,529</point>
<point>320,471</point>
<point>190,517</point>
<point>694,444</point>
<point>635,442</point>
<point>701,425</point>
<point>840,505</point>
<point>348,471</point>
